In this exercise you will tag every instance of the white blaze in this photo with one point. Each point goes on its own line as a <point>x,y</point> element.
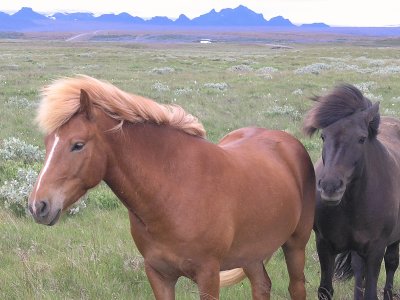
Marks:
<point>44,170</point>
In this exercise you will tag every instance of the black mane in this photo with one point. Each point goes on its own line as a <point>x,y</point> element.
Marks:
<point>342,102</point>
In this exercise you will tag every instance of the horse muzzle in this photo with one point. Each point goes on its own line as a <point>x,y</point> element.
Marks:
<point>43,213</point>
<point>331,191</point>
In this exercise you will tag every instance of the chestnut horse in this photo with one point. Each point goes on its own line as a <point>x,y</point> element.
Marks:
<point>195,208</point>
<point>358,197</point>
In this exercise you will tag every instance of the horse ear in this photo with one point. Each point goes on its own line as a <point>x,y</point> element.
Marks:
<point>85,105</point>
<point>373,118</point>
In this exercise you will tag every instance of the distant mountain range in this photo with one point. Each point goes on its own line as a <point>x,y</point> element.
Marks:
<point>28,20</point>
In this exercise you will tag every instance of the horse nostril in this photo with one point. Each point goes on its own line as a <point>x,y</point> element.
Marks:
<point>319,182</point>
<point>340,183</point>
<point>43,208</point>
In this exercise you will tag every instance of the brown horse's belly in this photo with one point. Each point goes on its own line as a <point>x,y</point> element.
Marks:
<point>262,235</point>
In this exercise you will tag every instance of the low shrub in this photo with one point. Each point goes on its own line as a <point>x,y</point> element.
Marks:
<point>221,86</point>
<point>15,192</point>
<point>15,149</point>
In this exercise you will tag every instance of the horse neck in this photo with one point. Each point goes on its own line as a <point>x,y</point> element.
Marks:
<point>145,163</point>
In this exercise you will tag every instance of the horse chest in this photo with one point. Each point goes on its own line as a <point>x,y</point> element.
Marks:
<point>345,229</point>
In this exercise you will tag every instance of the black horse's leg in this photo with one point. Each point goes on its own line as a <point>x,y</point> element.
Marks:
<point>326,260</point>
<point>391,264</point>
<point>373,264</point>
<point>358,266</point>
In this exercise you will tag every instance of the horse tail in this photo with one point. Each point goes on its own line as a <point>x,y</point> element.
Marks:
<point>231,277</point>
<point>343,270</point>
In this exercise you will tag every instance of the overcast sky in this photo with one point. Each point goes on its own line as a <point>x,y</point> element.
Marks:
<point>331,12</point>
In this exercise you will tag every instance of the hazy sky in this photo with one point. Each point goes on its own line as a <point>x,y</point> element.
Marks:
<point>332,12</point>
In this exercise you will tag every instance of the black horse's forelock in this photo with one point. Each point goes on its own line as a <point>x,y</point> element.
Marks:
<point>343,101</point>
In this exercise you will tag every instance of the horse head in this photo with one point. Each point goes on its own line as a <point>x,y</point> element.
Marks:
<point>75,162</point>
<point>349,123</point>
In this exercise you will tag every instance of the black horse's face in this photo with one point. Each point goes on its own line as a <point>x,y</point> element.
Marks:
<point>343,152</point>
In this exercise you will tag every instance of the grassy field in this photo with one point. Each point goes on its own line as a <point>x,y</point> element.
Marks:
<point>90,254</point>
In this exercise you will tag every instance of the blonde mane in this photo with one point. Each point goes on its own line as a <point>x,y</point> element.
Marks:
<point>60,101</point>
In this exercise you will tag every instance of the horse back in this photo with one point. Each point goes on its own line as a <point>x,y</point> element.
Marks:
<point>279,151</point>
<point>389,136</point>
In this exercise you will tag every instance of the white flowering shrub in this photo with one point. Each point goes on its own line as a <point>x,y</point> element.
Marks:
<point>15,149</point>
<point>160,87</point>
<point>183,91</point>
<point>20,103</point>
<point>371,61</point>
<point>78,206</point>
<point>240,68</point>
<point>221,86</point>
<point>396,99</point>
<point>390,112</point>
<point>298,92</point>
<point>313,69</point>
<point>373,97</point>
<point>284,110</point>
<point>365,86</point>
<point>14,193</point>
<point>229,59</point>
<point>161,71</point>
<point>339,66</point>
<point>267,70</point>
<point>12,67</point>
<point>345,66</point>
<point>388,70</point>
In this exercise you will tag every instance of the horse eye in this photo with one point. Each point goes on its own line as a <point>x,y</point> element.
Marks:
<point>362,140</point>
<point>77,146</point>
<point>322,137</point>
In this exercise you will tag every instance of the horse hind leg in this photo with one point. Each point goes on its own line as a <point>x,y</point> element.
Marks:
<point>391,264</point>
<point>295,247</point>
<point>259,280</point>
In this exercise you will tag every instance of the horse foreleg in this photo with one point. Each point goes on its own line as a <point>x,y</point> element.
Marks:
<point>294,250</point>
<point>260,281</point>
<point>326,260</point>
<point>358,266</point>
<point>391,263</point>
<point>207,279</point>
<point>163,287</point>
<point>372,268</point>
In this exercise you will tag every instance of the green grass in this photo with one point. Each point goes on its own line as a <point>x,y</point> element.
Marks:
<point>91,255</point>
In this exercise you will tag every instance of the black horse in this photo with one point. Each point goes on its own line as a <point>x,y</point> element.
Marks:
<point>358,189</point>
